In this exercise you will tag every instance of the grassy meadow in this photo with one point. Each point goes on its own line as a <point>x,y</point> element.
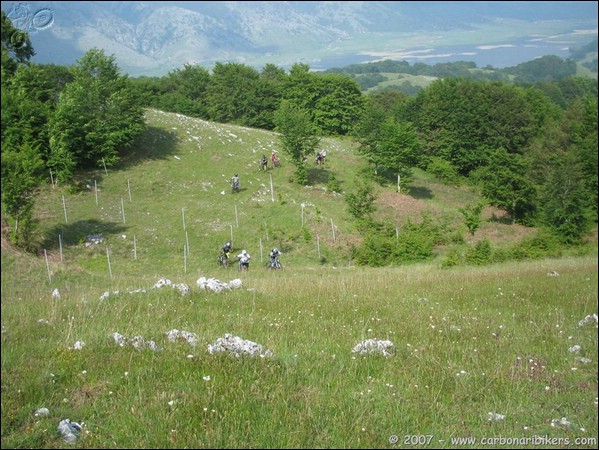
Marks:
<point>497,355</point>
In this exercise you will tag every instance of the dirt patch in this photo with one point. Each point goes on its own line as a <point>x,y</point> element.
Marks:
<point>400,207</point>
<point>498,228</point>
<point>496,225</point>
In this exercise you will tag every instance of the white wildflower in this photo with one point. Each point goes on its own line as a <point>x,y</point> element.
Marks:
<point>495,417</point>
<point>40,412</point>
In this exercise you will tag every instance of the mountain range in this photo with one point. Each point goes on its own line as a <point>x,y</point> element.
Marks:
<point>153,38</point>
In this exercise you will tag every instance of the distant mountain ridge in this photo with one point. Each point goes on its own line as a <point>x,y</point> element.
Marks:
<point>153,38</point>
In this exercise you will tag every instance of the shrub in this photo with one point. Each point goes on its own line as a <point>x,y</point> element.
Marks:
<point>543,244</point>
<point>453,258</point>
<point>479,254</point>
<point>443,170</point>
<point>333,184</point>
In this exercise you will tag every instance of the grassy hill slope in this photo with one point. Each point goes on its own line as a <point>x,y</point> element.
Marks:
<point>167,209</point>
<point>507,350</point>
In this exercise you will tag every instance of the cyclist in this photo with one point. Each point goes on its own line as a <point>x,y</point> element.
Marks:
<point>227,249</point>
<point>244,260</point>
<point>274,258</point>
<point>235,182</point>
<point>274,159</point>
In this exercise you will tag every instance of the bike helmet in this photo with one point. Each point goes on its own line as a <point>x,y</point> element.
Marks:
<point>244,251</point>
<point>274,250</point>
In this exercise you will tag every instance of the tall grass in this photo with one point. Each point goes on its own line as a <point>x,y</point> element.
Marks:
<point>468,343</point>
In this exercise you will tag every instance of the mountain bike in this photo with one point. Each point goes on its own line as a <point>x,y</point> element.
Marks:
<point>274,263</point>
<point>222,260</point>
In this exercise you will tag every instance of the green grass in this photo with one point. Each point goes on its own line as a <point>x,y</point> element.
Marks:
<point>469,340</point>
<point>180,177</point>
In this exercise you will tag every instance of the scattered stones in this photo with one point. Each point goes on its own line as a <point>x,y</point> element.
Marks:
<point>495,417</point>
<point>588,319</point>
<point>41,412</point>
<point>138,342</point>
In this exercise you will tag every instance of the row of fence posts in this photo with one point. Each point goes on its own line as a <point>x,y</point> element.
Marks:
<point>186,246</point>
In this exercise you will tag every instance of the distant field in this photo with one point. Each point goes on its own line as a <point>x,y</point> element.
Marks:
<point>403,79</point>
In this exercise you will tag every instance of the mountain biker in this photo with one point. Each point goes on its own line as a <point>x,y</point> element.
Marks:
<point>235,182</point>
<point>223,257</point>
<point>244,260</point>
<point>274,257</point>
<point>263,162</point>
<point>274,159</point>
<point>226,249</point>
<point>320,156</point>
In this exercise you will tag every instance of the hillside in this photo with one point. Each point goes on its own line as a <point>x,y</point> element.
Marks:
<point>173,194</point>
<point>284,359</point>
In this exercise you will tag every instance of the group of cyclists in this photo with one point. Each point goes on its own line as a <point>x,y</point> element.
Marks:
<point>275,161</point>
<point>244,258</point>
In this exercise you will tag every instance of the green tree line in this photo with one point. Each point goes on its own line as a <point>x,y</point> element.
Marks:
<point>531,148</point>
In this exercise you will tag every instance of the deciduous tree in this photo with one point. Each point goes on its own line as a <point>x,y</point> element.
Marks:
<point>298,136</point>
<point>97,117</point>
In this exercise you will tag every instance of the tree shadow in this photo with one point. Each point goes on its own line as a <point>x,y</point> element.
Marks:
<point>504,219</point>
<point>318,176</point>
<point>153,144</point>
<point>420,192</point>
<point>388,178</point>
<point>73,234</point>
